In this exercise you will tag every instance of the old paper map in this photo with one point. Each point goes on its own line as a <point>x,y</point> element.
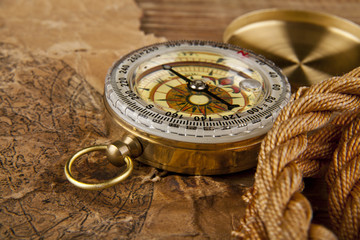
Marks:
<point>52,64</point>
<point>48,113</point>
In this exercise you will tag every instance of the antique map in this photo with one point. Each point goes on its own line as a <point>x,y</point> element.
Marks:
<point>51,106</point>
<point>48,113</point>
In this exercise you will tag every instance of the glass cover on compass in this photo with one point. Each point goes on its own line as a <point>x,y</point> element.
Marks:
<point>238,86</point>
<point>197,91</point>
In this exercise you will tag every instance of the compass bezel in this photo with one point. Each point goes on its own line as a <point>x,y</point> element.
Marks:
<point>128,106</point>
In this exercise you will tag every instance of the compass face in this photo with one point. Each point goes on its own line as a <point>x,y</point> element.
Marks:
<point>188,98</point>
<point>195,91</point>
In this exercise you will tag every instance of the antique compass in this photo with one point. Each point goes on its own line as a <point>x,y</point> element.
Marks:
<point>193,107</point>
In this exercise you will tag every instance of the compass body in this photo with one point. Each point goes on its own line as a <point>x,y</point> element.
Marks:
<point>195,107</point>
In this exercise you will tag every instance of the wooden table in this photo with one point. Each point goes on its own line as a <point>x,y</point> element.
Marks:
<point>207,19</point>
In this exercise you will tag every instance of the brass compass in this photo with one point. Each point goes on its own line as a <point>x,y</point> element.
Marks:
<point>193,107</point>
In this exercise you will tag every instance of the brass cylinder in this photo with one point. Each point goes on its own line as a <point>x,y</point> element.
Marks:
<point>183,157</point>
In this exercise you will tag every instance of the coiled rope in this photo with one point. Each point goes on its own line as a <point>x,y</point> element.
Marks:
<point>319,129</point>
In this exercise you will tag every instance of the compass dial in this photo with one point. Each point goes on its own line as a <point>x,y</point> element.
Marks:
<point>195,91</point>
<point>173,94</point>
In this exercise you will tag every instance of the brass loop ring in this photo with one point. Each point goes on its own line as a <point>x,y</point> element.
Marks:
<point>101,185</point>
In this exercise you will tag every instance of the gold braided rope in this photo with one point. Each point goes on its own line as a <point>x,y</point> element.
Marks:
<point>319,128</point>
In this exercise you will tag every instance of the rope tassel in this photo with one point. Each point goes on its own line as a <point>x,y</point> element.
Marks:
<point>319,127</point>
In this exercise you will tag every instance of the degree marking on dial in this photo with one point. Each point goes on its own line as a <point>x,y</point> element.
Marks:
<point>160,81</point>
<point>144,89</point>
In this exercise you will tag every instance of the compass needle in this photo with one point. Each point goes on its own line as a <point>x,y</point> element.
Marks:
<point>200,86</point>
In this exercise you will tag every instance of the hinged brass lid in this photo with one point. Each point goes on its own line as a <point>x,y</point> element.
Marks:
<point>308,46</point>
